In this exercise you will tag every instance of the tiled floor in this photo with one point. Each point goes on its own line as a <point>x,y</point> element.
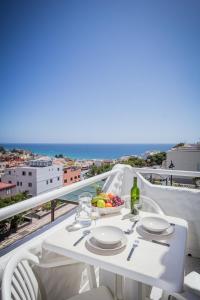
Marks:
<point>36,224</point>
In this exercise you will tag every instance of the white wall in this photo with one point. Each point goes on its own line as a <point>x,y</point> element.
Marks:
<point>46,174</point>
<point>188,160</point>
<point>178,202</point>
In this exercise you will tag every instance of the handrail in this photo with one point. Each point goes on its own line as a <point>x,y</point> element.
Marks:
<point>167,172</point>
<point>25,205</point>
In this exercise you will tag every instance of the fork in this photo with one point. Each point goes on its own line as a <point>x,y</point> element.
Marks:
<point>135,244</point>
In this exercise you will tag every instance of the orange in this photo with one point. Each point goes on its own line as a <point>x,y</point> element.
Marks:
<point>110,195</point>
<point>108,204</point>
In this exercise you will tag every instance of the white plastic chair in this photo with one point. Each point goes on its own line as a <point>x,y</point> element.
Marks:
<point>191,289</point>
<point>192,282</point>
<point>19,282</point>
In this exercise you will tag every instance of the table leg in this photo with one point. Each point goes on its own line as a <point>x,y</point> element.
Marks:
<point>91,276</point>
<point>113,281</point>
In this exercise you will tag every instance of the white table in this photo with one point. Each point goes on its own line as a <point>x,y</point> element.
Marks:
<point>152,264</point>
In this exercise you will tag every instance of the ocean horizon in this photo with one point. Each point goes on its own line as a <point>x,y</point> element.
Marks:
<point>88,151</point>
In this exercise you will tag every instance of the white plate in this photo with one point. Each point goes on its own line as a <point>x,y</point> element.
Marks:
<point>108,235</point>
<point>155,224</point>
<point>154,235</point>
<point>100,248</point>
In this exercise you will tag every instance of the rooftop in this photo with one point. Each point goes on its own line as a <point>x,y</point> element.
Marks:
<point>4,186</point>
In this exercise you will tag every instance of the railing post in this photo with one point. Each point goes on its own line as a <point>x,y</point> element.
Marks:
<point>171,180</point>
<point>53,206</point>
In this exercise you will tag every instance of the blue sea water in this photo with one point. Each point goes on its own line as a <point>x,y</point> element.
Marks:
<point>90,151</point>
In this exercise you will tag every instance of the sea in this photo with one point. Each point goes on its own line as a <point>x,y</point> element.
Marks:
<point>89,151</point>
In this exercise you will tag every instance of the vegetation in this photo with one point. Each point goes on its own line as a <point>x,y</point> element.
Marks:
<point>10,225</point>
<point>134,161</point>
<point>47,206</point>
<point>196,182</point>
<point>94,170</point>
<point>59,156</point>
<point>156,159</point>
<point>2,150</point>
<point>179,145</point>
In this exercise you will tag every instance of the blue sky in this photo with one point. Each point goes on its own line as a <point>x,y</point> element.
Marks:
<point>100,71</point>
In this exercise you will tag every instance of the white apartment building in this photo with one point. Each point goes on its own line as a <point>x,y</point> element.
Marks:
<point>186,157</point>
<point>38,177</point>
<point>2,168</point>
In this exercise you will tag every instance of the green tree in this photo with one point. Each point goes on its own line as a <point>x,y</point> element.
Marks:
<point>11,224</point>
<point>179,145</point>
<point>156,159</point>
<point>59,156</point>
<point>135,161</point>
<point>2,150</point>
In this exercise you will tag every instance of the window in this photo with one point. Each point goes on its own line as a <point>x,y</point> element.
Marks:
<point>8,191</point>
<point>65,181</point>
<point>58,178</point>
<point>9,172</point>
<point>17,183</point>
<point>51,180</point>
<point>30,173</point>
<point>47,182</point>
<point>30,184</point>
<point>20,183</point>
<point>65,171</point>
<point>58,169</point>
<point>79,176</point>
<point>9,181</point>
<point>75,177</point>
<point>23,173</point>
<point>71,178</point>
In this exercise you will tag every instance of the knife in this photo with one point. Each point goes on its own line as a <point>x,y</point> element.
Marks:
<point>160,243</point>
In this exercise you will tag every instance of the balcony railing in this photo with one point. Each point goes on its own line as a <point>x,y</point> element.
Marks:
<point>25,205</point>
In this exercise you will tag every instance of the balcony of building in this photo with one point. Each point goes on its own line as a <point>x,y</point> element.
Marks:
<point>160,273</point>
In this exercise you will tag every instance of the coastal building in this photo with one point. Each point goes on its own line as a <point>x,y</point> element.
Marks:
<point>7,189</point>
<point>71,175</point>
<point>186,157</point>
<point>84,164</point>
<point>3,166</point>
<point>37,177</point>
<point>98,162</point>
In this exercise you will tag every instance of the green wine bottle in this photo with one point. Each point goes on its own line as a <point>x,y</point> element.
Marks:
<point>135,196</point>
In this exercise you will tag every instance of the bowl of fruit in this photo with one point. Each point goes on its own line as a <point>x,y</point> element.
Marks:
<point>107,203</point>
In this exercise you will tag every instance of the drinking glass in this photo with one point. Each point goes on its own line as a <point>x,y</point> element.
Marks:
<point>95,214</point>
<point>83,215</point>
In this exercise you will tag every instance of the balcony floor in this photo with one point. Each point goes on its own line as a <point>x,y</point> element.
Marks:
<point>192,264</point>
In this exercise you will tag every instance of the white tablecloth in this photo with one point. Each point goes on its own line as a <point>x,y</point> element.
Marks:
<point>151,263</point>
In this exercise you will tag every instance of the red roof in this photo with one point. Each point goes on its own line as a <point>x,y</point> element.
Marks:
<point>4,186</point>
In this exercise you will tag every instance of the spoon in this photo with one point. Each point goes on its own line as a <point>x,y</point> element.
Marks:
<point>129,231</point>
<point>85,233</point>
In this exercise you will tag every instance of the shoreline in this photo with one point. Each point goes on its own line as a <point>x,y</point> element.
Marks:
<point>86,152</point>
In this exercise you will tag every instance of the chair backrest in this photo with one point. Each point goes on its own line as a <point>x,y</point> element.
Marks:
<point>19,281</point>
